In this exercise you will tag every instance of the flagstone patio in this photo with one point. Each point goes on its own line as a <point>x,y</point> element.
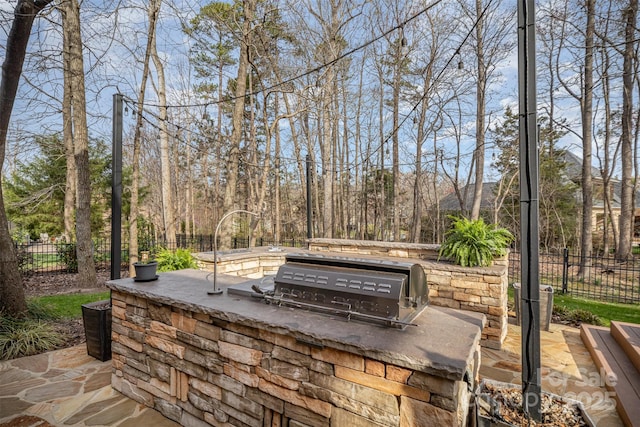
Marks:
<point>69,388</point>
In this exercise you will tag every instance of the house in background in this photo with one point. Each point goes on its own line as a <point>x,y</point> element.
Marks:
<point>451,203</point>
<point>574,171</point>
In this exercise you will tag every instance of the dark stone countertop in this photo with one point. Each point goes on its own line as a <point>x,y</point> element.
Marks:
<point>443,343</point>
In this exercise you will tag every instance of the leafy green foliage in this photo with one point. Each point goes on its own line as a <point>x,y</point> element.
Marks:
<point>577,315</point>
<point>25,259</point>
<point>175,260</point>
<point>145,235</point>
<point>474,243</point>
<point>25,337</point>
<point>68,256</point>
<point>34,192</point>
<point>40,310</point>
<point>35,333</point>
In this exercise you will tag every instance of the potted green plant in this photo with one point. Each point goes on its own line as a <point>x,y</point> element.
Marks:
<point>474,243</point>
<point>96,317</point>
<point>145,270</point>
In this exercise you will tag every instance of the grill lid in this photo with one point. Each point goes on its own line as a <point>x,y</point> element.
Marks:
<point>378,290</point>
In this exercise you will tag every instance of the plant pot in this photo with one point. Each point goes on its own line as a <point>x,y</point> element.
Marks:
<point>488,409</point>
<point>546,305</point>
<point>145,271</point>
<point>96,317</point>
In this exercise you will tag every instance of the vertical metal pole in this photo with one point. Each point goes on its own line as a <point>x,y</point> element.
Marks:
<point>565,270</point>
<point>530,280</point>
<point>116,188</point>
<point>309,212</point>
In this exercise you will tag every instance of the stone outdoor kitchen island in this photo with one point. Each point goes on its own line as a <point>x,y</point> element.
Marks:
<point>227,360</point>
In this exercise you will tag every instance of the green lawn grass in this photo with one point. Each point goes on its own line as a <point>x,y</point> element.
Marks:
<point>45,260</point>
<point>69,306</point>
<point>606,311</point>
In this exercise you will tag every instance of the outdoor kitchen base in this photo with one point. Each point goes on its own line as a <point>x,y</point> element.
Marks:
<point>228,360</point>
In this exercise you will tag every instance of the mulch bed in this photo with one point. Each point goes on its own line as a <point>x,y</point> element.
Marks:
<point>26,421</point>
<point>62,283</point>
<point>65,283</point>
<point>556,412</point>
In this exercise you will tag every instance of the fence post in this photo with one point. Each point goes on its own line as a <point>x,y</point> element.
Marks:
<point>565,270</point>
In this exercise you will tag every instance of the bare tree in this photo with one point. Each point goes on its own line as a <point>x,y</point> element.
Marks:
<point>67,134</point>
<point>232,165</point>
<point>626,198</point>
<point>152,14</point>
<point>12,300</point>
<point>585,97</point>
<point>492,38</point>
<point>168,214</point>
<point>73,45</point>
<point>607,146</point>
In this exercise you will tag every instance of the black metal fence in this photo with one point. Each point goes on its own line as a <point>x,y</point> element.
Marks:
<point>603,278</point>
<point>47,258</point>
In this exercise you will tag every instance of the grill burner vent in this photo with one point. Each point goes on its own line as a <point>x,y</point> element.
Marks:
<point>370,289</point>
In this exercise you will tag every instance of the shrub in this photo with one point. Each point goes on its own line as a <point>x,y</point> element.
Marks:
<point>25,337</point>
<point>175,260</point>
<point>67,256</point>
<point>577,315</point>
<point>25,260</point>
<point>474,243</point>
<point>585,316</point>
<point>39,310</point>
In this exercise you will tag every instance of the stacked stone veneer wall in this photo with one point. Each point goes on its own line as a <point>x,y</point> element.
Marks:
<point>483,290</point>
<point>252,265</point>
<point>197,369</point>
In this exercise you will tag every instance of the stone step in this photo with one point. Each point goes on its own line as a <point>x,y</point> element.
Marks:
<point>620,375</point>
<point>627,335</point>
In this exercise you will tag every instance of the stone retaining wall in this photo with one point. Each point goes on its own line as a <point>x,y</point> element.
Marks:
<point>195,368</point>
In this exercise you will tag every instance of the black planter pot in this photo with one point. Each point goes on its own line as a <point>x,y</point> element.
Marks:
<point>145,271</point>
<point>97,329</point>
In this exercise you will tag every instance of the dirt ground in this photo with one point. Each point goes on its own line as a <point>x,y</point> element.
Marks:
<point>65,283</point>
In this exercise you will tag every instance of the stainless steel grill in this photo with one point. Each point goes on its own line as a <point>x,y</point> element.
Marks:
<point>377,290</point>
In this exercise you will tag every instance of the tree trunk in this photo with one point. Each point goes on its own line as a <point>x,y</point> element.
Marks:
<point>135,173</point>
<point>626,200</point>
<point>168,213</point>
<point>67,132</point>
<point>586,239</point>
<point>12,299</point>
<point>327,165</point>
<point>84,244</point>
<point>278,219</point>
<point>481,87</point>
<point>395,161</point>
<point>233,159</point>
